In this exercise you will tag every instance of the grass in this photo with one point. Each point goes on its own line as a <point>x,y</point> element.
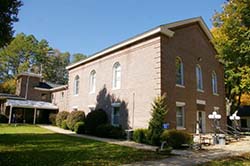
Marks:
<point>31,145</point>
<point>243,160</point>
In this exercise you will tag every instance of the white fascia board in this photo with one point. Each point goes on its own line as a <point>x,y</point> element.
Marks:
<point>160,29</point>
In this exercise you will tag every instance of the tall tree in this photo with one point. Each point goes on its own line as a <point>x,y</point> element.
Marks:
<point>232,40</point>
<point>78,56</point>
<point>8,15</point>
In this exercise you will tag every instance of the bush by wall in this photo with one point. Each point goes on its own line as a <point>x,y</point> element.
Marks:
<point>60,117</point>
<point>64,124</point>
<point>3,118</point>
<point>94,119</point>
<point>52,119</point>
<point>176,138</point>
<point>74,117</point>
<point>140,135</point>
<point>109,131</point>
<point>79,128</point>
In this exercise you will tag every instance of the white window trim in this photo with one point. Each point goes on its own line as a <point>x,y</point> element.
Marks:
<point>199,76</point>
<point>202,102</point>
<point>182,74</point>
<point>115,105</point>
<point>180,86</point>
<point>114,79</point>
<point>183,119</point>
<point>215,84</point>
<point>92,84</point>
<point>76,80</point>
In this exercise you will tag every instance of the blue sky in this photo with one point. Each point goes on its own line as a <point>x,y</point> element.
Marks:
<point>88,26</point>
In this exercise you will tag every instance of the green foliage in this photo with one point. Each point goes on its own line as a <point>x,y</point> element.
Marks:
<point>3,118</point>
<point>109,131</point>
<point>159,112</point>
<point>78,57</point>
<point>26,53</point>
<point>64,125</point>
<point>74,117</point>
<point>79,128</point>
<point>140,135</point>
<point>94,119</point>
<point>8,86</point>
<point>232,41</point>
<point>60,117</point>
<point>52,119</point>
<point>176,139</point>
<point>8,14</point>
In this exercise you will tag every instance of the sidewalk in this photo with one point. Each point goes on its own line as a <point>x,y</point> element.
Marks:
<point>108,140</point>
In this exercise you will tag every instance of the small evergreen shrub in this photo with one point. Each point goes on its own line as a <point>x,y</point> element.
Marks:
<point>64,125</point>
<point>94,119</point>
<point>140,135</point>
<point>3,118</point>
<point>79,128</point>
<point>74,117</point>
<point>52,119</point>
<point>159,111</point>
<point>176,138</point>
<point>109,131</point>
<point>60,117</point>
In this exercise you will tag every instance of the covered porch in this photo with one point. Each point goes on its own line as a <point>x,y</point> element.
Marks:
<point>29,111</point>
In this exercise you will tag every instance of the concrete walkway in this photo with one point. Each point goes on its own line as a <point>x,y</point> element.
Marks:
<point>108,140</point>
<point>180,158</point>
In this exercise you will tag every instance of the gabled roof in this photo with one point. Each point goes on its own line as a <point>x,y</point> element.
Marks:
<point>163,29</point>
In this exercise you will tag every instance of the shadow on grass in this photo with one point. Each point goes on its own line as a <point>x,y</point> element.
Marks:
<point>56,149</point>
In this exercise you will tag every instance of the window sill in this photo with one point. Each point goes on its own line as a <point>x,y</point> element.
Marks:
<point>116,88</point>
<point>180,128</point>
<point>76,95</point>
<point>200,90</point>
<point>92,92</point>
<point>180,86</point>
<point>215,94</point>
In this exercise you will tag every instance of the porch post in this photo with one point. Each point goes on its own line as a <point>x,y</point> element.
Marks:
<point>10,115</point>
<point>34,120</point>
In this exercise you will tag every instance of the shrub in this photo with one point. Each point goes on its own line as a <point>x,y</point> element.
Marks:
<point>109,131</point>
<point>140,135</point>
<point>60,117</point>
<point>52,119</point>
<point>79,128</point>
<point>159,112</point>
<point>94,119</point>
<point>74,117</point>
<point>176,139</point>
<point>64,124</point>
<point>3,118</point>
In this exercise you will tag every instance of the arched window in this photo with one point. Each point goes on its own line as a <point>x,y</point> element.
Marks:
<point>179,71</point>
<point>92,81</point>
<point>117,76</point>
<point>76,85</point>
<point>199,77</point>
<point>214,83</point>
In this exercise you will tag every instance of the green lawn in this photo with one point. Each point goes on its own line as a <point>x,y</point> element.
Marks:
<point>34,146</point>
<point>243,160</point>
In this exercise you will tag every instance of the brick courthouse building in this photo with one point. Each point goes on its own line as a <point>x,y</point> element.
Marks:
<point>177,59</point>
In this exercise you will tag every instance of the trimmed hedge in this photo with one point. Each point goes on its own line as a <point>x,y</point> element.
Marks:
<point>74,117</point>
<point>52,119</point>
<point>109,131</point>
<point>140,135</point>
<point>94,119</point>
<point>60,117</point>
<point>64,125</point>
<point>176,138</point>
<point>79,128</point>
<point>3,118</point>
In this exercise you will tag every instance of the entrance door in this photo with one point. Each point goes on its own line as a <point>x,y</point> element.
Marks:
<point>201,122</point>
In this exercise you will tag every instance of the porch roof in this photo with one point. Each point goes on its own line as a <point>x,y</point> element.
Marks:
<point>30,104</point>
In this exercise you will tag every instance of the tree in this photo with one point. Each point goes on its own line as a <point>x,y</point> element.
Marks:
<point>77,57</point>
<point>159,111</point>
<point>9,86</point>
<point>8,15</point>
<point>26,53</point>
<point>232,41</point>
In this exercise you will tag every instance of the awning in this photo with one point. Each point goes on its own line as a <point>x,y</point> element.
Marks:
<point>31,104</point>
